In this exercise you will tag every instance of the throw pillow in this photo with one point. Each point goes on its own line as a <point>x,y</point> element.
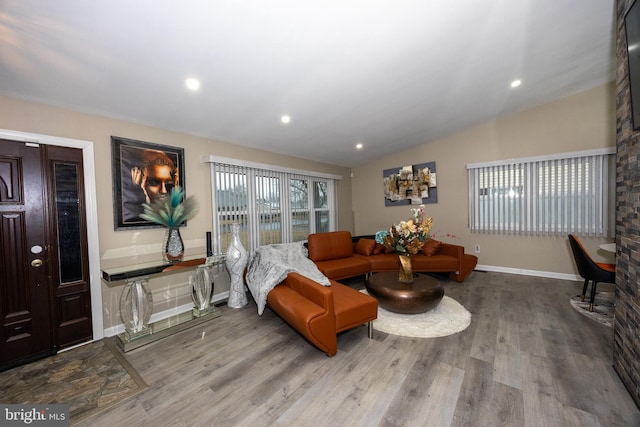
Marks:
<point>431,247</point>
<point>365,246</point>
<point>378,249</point>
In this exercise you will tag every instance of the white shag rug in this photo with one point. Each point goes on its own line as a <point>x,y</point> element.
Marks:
<point>447,318</point>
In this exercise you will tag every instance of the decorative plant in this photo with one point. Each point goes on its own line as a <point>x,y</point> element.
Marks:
<point>407,237</point>
<point>171,211</point>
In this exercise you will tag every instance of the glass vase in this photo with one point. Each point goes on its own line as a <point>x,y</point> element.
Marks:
<point>405,275</point>
<point>236,260</point>
<point>173,246</point>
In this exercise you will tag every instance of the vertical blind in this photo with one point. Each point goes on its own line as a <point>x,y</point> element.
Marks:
<point>555,195</point>
<point>271,204</point>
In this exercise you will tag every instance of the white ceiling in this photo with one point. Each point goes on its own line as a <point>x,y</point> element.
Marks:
<point>388,74</point>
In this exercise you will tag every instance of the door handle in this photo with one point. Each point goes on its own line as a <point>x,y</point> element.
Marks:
<point>36,263</point>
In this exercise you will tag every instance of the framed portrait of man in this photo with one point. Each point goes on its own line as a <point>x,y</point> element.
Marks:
<point>142,173</point>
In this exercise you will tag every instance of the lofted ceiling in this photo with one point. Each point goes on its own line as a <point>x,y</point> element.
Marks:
<point>387,74</point>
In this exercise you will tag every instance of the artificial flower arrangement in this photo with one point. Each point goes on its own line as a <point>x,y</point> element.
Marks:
<point>407,237</point>
<point>170,211</point>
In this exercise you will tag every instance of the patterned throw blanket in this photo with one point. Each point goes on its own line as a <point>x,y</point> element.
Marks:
<point>270,265</point>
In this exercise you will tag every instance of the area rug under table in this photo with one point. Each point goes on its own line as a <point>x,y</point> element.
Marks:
<point>447,318</point>
<point>603,307</point>
<point>89,378</point>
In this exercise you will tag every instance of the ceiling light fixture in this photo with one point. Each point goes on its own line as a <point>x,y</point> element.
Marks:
<point>516,83</point>
<point>192,84</point>
<point>285,119</point>
<point>359,146</point>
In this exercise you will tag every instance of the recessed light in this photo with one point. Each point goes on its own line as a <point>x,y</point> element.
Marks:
<point>285,119</point>
<point>192,84</point>
<point>516,83</point>
<point>359,146</point>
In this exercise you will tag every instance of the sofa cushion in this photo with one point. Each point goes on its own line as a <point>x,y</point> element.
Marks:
<point>384,262</point>
<point>337,269</point>
<point>431,247</point>
<point>435,263</point>
<point>331,245</point>
<point>379,249</point>
<point>365,247</point>
<point>294,308</point>
<point>419,262</point>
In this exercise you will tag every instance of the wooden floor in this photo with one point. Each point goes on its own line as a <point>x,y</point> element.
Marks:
<point>528,359</point>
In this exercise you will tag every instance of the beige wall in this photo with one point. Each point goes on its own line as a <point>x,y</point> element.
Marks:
<point>580,122</point>
<point>119,248</point>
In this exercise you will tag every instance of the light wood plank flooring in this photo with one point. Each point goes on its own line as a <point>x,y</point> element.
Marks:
<point>528,359</point>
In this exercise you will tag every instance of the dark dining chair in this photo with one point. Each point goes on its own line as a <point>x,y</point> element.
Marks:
<point>591,270</point>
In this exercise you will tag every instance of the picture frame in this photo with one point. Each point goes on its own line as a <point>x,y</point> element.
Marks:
<point>142,172</point>
<point>410,185</point>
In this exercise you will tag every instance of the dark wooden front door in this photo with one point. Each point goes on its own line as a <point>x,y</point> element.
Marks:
<point>44,286</point>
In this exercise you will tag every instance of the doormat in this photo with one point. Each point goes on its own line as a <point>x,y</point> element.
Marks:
<point>603,307</point>
<point>447,318</point>
<point>89,378</point>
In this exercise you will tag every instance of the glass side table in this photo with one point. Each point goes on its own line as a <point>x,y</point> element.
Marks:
<point>136,301</point>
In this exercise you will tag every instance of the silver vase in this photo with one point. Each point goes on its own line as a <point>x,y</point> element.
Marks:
<point>236,260</point>
<point>173,246</point>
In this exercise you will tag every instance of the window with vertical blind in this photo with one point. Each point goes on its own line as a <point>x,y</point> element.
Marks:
<point>551,195</point>
<point>272,204</point>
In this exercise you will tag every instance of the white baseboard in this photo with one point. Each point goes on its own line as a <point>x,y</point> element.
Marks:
<point>536,273</point>
<point>118,329</point>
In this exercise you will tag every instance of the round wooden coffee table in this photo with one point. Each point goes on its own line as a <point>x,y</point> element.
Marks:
<point>422,295</point>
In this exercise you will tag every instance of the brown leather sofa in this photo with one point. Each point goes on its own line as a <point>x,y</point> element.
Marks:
<point>319,312</point>
<point>338,257</point>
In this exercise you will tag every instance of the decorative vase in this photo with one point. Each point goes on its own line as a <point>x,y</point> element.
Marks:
<point>236,261</point>
<point>173,246</point>
<point>405,273</point>
<point>136,305</point>
<point>201,290</point>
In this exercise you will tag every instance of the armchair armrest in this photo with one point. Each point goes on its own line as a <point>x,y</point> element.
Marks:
<point>466,262</point>
<point>309,308</point>
<point>451,250</point>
